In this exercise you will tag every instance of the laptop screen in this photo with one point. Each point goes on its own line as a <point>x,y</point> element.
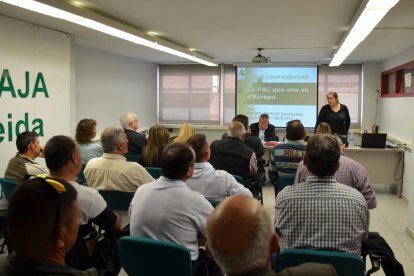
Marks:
<point>374,140</point>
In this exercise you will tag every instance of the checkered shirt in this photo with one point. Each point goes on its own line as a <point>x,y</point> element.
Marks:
<point>350,173</point>
<point>321,214</point>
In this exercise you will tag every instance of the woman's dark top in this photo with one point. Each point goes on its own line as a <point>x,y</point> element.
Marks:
<point>338,121</point>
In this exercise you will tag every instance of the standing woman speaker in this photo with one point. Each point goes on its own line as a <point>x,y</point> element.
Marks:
<point>336,115</point>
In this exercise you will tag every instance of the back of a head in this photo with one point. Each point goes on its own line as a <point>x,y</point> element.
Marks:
<point>186,130</point>
<point>295,130</point>
<point>58,152</point>
<point>199,144</point>
<point>239,235</point>
<point>158,136</point>
<point>127,118</point>
<point>33,209</point>
<point>24,139</point>
<point>323,128</point>
<point>176,159</point>
<point>110,138</point>
<point>242,119</point>
<point>85,131</point>
<point>236,129</point>
<point>322,155</point>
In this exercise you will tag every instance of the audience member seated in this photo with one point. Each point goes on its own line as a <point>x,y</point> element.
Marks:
<point>212,184</point>
<point>232,155</point>
<point>63,159</point>
<point>284,157</point>
<point>185,132</point>
<point>241,238</point>
<point>85,132</point>
<point>323,128</point>
<point>350,173</point>
<point>321,213</point>
<point>262,129</point>
<point>158,139</point>
<point>22,166</point>
<point>112,172</point>
<point>43,219</point>
<point>167,209</point>
<point>137,141</point>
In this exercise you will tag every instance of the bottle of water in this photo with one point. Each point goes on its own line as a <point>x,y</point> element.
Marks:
<point>351,139</point>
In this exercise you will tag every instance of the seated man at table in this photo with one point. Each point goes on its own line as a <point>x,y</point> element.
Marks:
<point>112,172</point>
<point>166,209</point>
<point>285,157</point>
<point>350,173</point>
<point>22,166</point>
<point>321,213</point>
<point>241,238</point>
<point>136,141</point>
<point>232,155</point>
<point>212,184</point>
<point>43,220</point>
<point>262,129</point>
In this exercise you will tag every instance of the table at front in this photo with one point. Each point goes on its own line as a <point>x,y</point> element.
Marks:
<point>384,166</point>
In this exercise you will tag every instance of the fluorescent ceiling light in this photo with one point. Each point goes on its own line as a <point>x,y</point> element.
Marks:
<point>371,15</point>
<point>151,41</point>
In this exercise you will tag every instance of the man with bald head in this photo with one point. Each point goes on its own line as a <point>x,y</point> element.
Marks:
<point>241,238</point>
<point>232,155</point>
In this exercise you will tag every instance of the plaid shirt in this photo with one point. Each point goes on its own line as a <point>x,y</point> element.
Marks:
<point>350,173</point>
<point>321,214</point>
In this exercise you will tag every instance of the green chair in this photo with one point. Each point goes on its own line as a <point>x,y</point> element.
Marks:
<point>155,172</point>
<point>284,181</point>
<point>214,202</point>
<point>7,187</point>
<point>345,264</point>
<point>133,158</point>
<point>117,200</point>
<point>80,177</point>
<point>239,178</point>
<point>144,256</point>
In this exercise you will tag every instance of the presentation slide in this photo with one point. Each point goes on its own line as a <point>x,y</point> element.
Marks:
<point>284,93</point>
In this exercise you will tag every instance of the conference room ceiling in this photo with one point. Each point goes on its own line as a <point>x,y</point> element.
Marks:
<point>230,31</point>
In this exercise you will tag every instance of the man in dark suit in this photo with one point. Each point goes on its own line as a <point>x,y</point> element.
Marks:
<point>262,129</point>
<point>136,141</point>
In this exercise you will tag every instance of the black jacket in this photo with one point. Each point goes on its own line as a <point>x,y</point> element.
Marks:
<point>270,132</point>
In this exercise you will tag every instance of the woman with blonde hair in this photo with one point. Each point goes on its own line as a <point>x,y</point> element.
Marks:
<point>157,140</point>
<point>85,132</point>
<point>323,128</point>
<point>185,132</point>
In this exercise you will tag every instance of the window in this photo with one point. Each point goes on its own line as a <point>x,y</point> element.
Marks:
<point>192,93</point>
<point>398,81</point>
<point>346,80</point>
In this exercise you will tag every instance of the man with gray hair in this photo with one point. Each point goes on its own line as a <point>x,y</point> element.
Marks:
<point>241,238</point>
<point>321,213</point>
<point>112,172</point>
<point>232,155</point>
<point>136,141</point>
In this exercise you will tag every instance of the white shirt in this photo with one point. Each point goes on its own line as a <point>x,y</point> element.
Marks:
<point>112,172</point>
<point>91,203</point>
<point>168,210</point>
<point>215,184</point>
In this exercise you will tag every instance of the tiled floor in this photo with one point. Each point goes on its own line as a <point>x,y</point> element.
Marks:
<point>389,219</point>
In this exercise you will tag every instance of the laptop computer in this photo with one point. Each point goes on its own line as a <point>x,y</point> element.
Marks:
<point>373,140</point>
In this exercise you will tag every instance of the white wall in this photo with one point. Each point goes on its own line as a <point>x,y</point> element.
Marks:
<point>396,119</point>
<point>371,83</point>
<point>106,85</point>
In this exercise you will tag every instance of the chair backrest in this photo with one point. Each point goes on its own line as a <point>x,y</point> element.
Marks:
<point>132,158</point>
<point>345,264</point>
<point>214,202</point>
<point>284,181</point>
<point>7,187</point>
<point>239,178</point>
<point>154,172</point>
<point>144,256</point>
<point>80,177</point>
<point>117,200</point>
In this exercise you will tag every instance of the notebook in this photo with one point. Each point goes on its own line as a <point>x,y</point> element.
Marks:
<point>374,140</point>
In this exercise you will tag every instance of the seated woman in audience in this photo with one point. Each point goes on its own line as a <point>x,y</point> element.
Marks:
<point>323,128</point>
<point>185,132</point>
<point>156,142</point>
<point>85,132</point>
